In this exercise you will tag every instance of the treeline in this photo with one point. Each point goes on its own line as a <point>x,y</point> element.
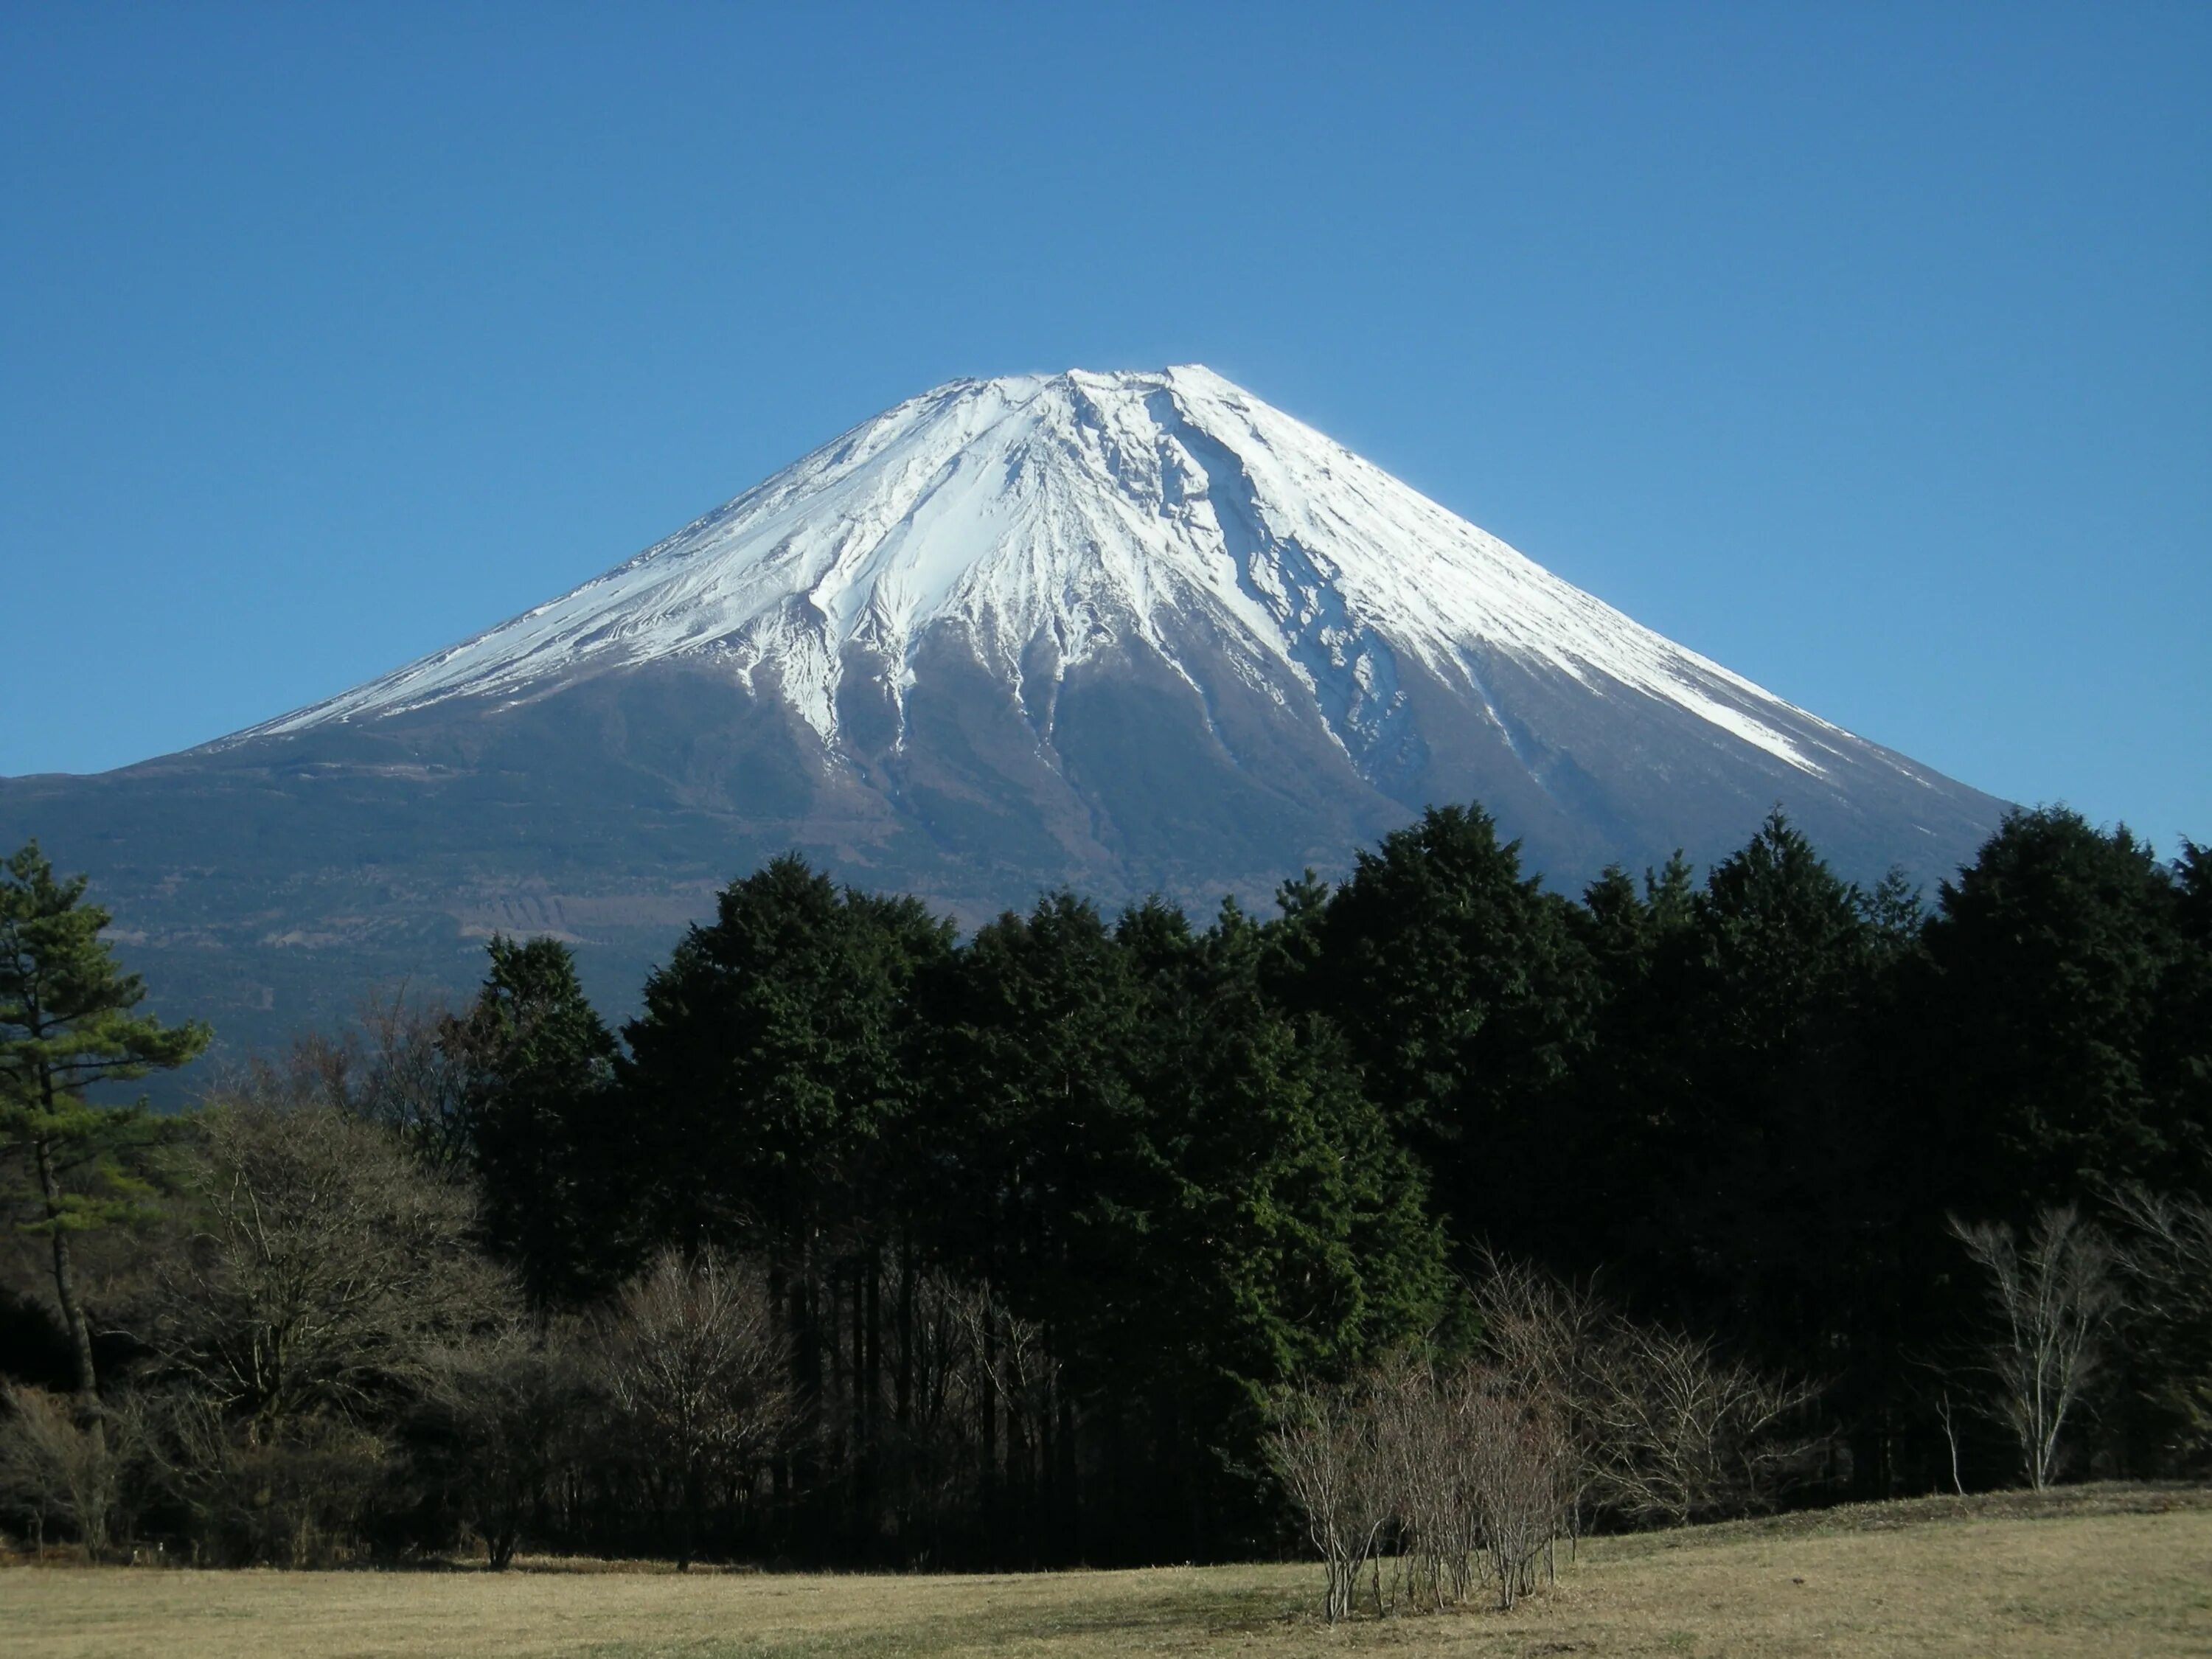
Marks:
<point>863,1244</point>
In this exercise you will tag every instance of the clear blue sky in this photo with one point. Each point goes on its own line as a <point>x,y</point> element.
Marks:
<point>1866,349</point>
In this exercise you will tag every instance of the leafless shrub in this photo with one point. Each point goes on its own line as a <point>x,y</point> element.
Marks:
<point>1490,1461</point>
<point>2164,1258</point>
<point>1325,1445</point>
<point>1558,1343</point>
<point>54,1465</point>
<point>402,1064</point>
<point>1516,1458</point>
<point>293,1494</point>
<point>496,1424</point>
<point>1464,1463</point>
<point>2051,1303</point>
<point>325,1266</point>
<point>1681,1433</point>
<point>1656,1426</point>
<point>1426,1474</point>
<point>697,1364</point>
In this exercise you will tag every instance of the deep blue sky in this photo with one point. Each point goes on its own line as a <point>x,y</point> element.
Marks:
<point>1868,350</point>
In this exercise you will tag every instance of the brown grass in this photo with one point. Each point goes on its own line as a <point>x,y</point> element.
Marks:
<point>2109,1571</point>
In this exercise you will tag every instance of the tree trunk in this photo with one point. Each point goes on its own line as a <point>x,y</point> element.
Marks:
<point>905,1383</point>
<point>73,1314</point>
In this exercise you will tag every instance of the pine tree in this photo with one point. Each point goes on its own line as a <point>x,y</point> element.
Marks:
<point>1295,1236</point>
<point>1271,1227</point>
<point>769,1086</point>
<point>2179,1068</point>
<point>2038,1035</point>
<point>538,1067</point>
<point>771,1055</point>
<point>68,1021</point>
<point>1468,999</point>
<point>1035,1113</point>
<point>1759,1000</point>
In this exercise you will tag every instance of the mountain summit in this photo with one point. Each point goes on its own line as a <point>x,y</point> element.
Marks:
<point>1128,632</point>
<point>1043,522</point>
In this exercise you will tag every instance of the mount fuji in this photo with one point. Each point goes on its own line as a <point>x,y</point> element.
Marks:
<point>1128,632</point>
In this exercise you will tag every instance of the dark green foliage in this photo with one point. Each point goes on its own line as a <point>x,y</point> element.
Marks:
<point>2048,963</point>
<point>770,1063</point>
<point>1756,996</point>
<point>1040,1133</point>
<point>1467,999</point>
<point>1038,1222</point>
<point>1305,1218</point>
<point>68,1021</point>
<point>538,1068</point>
<point>1182,1184</point>
<point>2179,1063</point>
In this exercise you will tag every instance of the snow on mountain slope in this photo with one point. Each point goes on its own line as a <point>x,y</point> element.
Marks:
<point>1046,517</point>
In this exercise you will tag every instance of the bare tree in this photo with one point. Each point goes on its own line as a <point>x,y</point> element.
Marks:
<point>1464,1462</point>
<point>325,1265</point>
<point>1652,1423</point>
<point>1516,1453</point>
<point>1947,1413</point>
<point>697,1364</point>
<point>2051,1302</point>
<point>52,1463</point>
<point>496,1422</point>
<point>2164,1256</point>
<point>294,1494</point>
<point>1018,1374</point>
<point>1556,1342</point>
<point>403,1064</point>
<point>1325,1446</point>
<point>1425,1477</point>
<point>1681,1433</point>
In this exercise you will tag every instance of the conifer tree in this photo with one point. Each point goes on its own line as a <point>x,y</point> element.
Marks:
<point>539,1068</point>
<point>769,1081</point>
<point>1295,1237</point>
<point>771,1054</point>
<point>1759,998</point>
<point>1467,998</point>
<point>2180,1063</point>
<point>2038,1032</point>
<point>68,1021</point>
<point>1035,1111</point>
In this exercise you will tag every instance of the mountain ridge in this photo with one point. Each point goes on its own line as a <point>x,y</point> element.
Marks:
<point>1124,633</point>
<point>1494,594</point>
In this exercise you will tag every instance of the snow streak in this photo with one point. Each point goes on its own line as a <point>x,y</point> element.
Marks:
<point>1080,510</point>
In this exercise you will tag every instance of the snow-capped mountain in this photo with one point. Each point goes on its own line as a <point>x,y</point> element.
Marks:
<point>1124,632</point>
<point>1045,519</point>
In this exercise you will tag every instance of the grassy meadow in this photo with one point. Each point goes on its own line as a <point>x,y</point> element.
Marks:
<point>2109,1571</point>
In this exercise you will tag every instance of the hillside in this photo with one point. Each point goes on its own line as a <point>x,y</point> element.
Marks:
<point>2092,1573</point>
<point>1130,633</point>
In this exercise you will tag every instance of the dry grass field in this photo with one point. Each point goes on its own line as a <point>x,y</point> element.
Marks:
<point>2112,1572</point>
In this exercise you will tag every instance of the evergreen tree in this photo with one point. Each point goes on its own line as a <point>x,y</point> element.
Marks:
<point>1277,1229</point>
<point>1759,1133</point>
<point>1036,1179</point>
<point>770,1058</point>
<point>2179,1064</point>
<point>769,1086</point>
<point>1468,999</point>
<point>1622,929</point>
<point>69,1020</point>
<point>537,1065</point>
<point>2037,1028</point>
<point>1035,1115</point>
<point>1297,1238</point>
<point>1606,1127</point>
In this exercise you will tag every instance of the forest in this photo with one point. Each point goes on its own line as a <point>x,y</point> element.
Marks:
<point>1129,1238</point>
